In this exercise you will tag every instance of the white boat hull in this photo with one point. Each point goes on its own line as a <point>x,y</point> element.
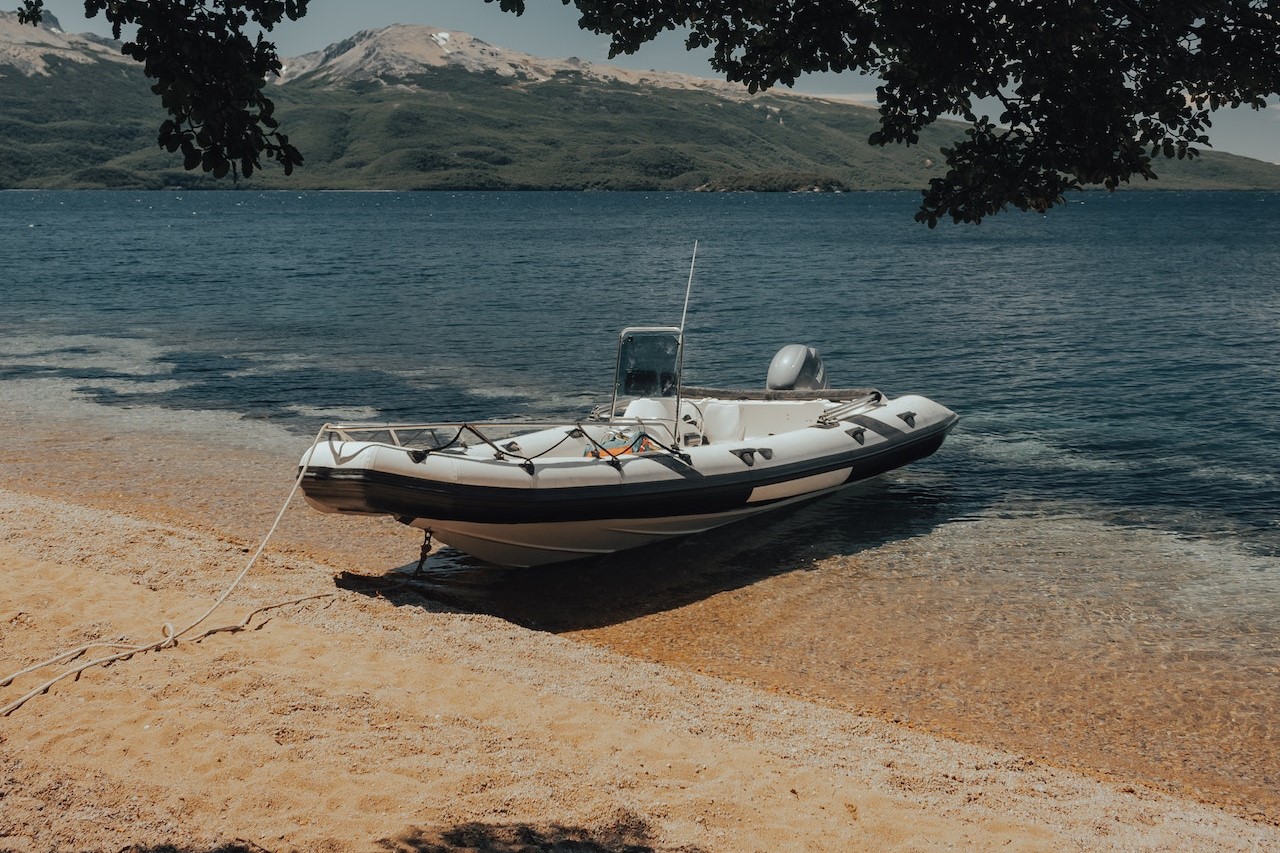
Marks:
<point>554,494</point>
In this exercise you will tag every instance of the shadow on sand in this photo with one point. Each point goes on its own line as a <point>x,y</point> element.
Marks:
<point>607,590</point>
<point>628,836</point>
<point>522,838</point>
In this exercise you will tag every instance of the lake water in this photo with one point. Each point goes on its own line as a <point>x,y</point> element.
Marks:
<point>1116,365</point>
<point>1121,355</point>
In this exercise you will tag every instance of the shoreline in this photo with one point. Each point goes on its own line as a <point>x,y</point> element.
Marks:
<point>372,719</point>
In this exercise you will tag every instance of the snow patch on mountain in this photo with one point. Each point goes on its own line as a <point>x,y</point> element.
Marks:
<point>401,50</point>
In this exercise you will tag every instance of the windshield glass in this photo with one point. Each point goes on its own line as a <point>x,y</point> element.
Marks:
<point>647,363</point>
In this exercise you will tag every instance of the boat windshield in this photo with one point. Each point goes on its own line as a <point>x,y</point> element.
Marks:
<point>648,363</point>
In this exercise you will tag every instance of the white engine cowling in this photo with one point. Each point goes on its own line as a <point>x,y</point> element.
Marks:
<point>797,367</point>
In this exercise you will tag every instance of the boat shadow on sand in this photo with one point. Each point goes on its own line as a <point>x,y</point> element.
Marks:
<point>630,835</point>
<point>614,588</point>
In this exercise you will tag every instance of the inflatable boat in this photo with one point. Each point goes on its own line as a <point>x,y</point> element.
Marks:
<point>661,460</point>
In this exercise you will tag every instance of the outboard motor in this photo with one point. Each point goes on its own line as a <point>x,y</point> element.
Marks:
<point>797,367</point>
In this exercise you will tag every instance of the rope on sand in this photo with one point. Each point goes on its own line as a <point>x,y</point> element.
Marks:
<point>170,637</point>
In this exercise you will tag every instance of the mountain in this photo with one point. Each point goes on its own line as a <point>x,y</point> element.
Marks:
<point>398,52</point>
<point>31,50</point>
<point>412,107</point>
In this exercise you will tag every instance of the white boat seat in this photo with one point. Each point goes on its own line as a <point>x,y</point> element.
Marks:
<point>721,421</point>
<point>656,416</point>
<point>761,419</point>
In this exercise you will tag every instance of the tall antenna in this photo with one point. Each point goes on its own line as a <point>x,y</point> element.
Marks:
<point>677,431</point>
<point>687,290</point>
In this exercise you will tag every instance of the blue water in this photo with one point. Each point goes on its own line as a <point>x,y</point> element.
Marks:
<point>1118,359</point>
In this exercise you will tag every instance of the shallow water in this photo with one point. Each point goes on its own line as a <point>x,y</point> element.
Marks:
<point>1087,571</point>
<point>1120,354</point>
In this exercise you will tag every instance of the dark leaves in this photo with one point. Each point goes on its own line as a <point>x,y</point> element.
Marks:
<point>31,11</point>
<point>209,75</point>
<point>191,157</point>
<point>1084,89</point>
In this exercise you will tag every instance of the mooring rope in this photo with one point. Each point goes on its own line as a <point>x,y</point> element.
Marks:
<point>170,637</point>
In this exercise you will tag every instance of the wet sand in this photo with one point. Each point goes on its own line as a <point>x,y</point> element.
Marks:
<point>734,692</point>
<point>952,633</point>
<point>1074,642</point>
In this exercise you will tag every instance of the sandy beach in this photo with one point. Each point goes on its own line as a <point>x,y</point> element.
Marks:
<point>381,717</point>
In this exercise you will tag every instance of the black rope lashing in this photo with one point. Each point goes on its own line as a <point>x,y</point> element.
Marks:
<point>419,455</point>
<point>501,453</point>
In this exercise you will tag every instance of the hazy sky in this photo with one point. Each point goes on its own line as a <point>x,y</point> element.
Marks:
<point>550,29</point>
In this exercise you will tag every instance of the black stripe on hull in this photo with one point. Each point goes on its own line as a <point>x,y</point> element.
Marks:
<point>362,490</point>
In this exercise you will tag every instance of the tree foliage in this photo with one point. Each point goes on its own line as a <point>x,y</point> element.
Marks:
<point>1089,91</point>
<point>209,75</point>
